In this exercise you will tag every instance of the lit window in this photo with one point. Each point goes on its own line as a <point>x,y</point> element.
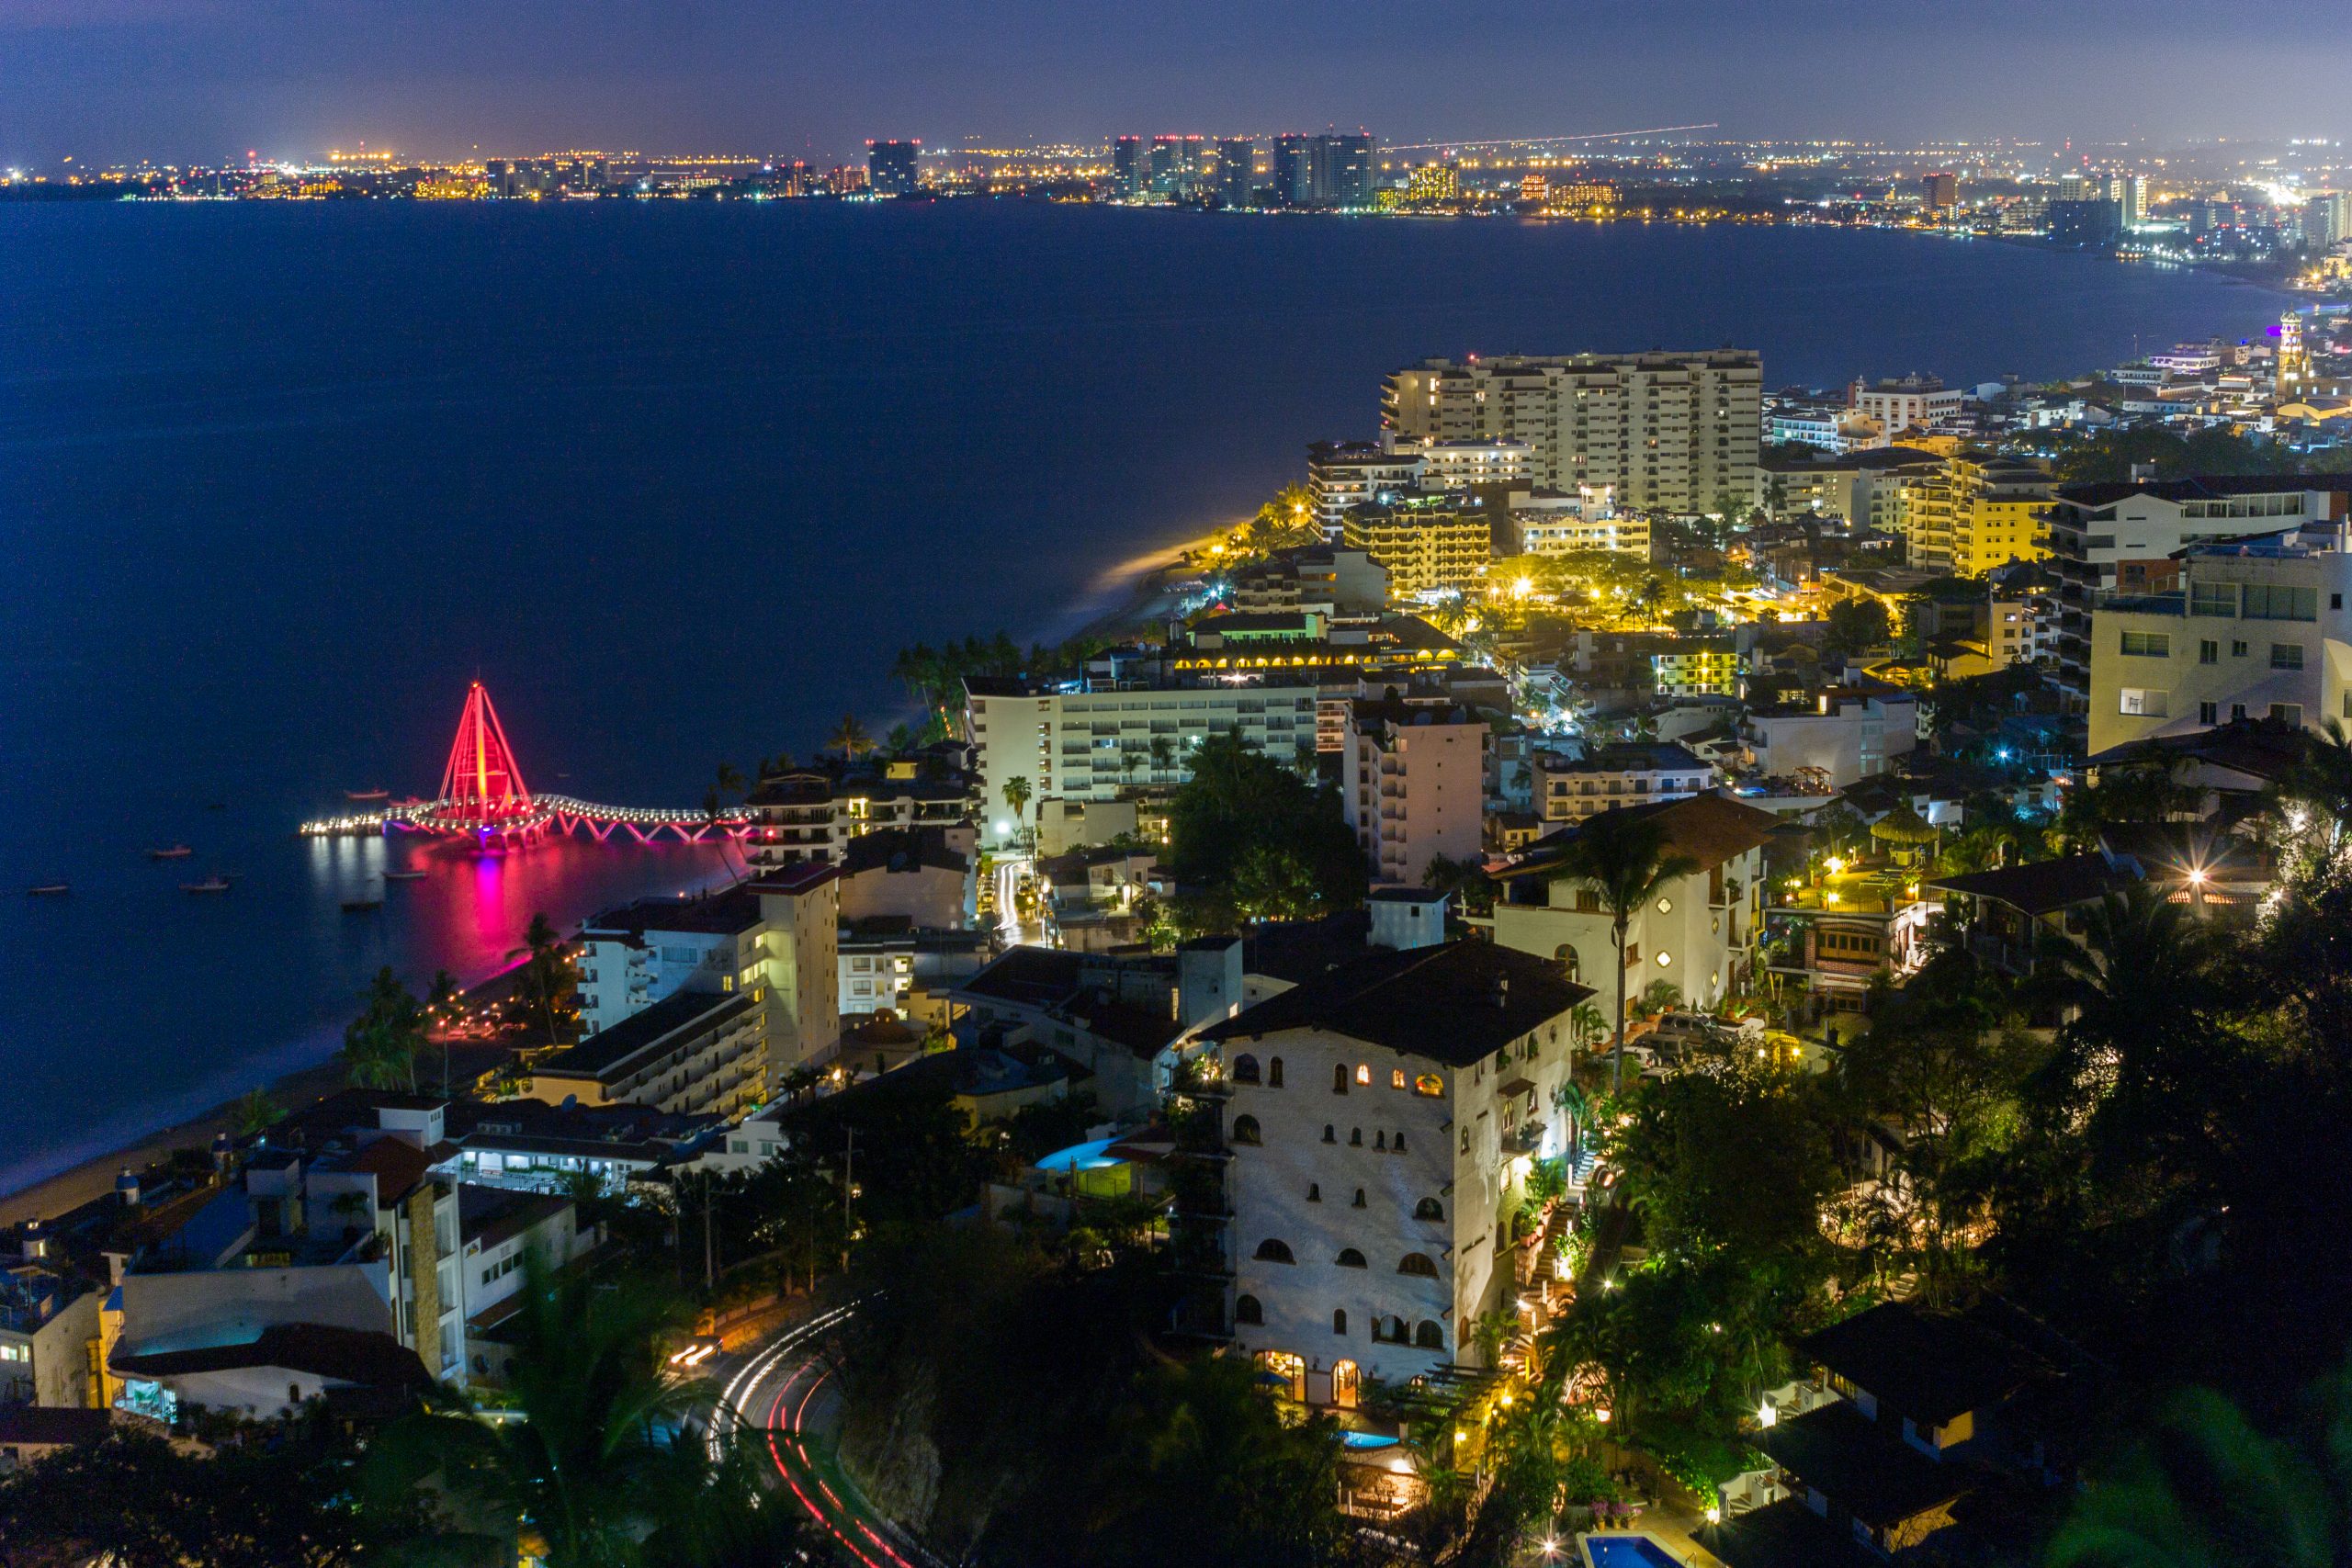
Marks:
<point>1396,1077</point>
<point>1363,1070</point>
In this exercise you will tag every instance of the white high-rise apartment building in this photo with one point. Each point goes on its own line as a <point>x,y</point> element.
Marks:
<point>1666,432</point>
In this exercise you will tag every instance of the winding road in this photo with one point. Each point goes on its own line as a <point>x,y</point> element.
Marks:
<point>785,1398</point>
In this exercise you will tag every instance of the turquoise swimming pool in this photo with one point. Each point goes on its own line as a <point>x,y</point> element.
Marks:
<point>1626,1550</point>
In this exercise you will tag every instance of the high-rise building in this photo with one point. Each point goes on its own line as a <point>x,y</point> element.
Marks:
<point>1427,541</point>
<point>1666,431</point>
<point>1942,190</point>
<point>1237,182</point>
<point>2081,188</point>
<point>1533,187</point>
<point>1294,171</point>
<point>2129,194</point>
<point>1175,164</point>
<point>2327,219</point>
<point>1130,166</point>
<point>1345,170</point>
<point>890,166</point>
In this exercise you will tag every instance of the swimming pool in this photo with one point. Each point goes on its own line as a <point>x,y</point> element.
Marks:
<point>1625,1550</point>
<point>1361,1440</point>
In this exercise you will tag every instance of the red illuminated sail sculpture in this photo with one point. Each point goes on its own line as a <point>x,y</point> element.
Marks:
<point>481,787</point>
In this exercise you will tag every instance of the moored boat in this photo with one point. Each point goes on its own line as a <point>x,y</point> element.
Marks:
<point>48,890</point>
<point>403,877</point>
<point>210,885</point>
<point>367,795</point>
<point>171,852</point>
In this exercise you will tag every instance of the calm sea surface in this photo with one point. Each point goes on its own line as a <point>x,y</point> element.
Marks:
<point>676,480</point>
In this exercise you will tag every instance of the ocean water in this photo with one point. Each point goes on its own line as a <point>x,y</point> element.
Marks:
<point>676,479</point>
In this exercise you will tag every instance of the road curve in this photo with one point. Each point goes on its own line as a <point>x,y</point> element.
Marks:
<point>773,1400</point>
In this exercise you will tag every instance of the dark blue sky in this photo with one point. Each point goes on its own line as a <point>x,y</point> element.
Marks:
<point>194,80</point>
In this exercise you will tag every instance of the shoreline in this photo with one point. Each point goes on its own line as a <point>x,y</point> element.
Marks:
<point>94,1177</point>
<point>1122,597</point>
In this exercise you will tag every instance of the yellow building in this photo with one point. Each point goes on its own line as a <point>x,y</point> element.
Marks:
<point>1977,514</point>
<point>1433,182</point>
<point>1424,544</point>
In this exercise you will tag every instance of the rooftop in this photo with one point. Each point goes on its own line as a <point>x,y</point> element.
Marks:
<point>1711,829</point>
<point>602,1055</point>
<point>2044,887</point>
<point>1455,1003</point>
<point>490,1215</point>
<point>903,849</point>
<point>1862,1466</point>
<point>727,912</point>
<point>345,1355</point>
<point>1929,1366</point>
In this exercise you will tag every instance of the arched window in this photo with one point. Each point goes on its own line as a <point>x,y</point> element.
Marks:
<point>1359,1203</point>
<point>1428,1209</point>
<point>1247,1310</point>
<point>1355,1137</point>
<point>1428,1336</point>
<point>1315,1192</point>
<point>1350,1258</point>
<point>1400,1140</point>
<point>1389,1330</point>
<point>1339,1320</point>
<point>1339,1078</point>
<point>1363,1074</point>
<point>1245,1069</point>
<point>1395,1077</point>
<point>1330,1135</point>
<point>1274,1073</point>
<point>1418,1265</point>
<point>1245,1129</point>
<point>1380,1139</point>
<point>1568,955</point>
<point>1273,1251</point>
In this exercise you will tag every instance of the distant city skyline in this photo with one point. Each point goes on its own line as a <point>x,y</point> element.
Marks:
<point>106,81</point>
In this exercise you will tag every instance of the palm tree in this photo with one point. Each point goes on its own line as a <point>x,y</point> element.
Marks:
<point>542,982</point>
<point>730,779</point>
<point>382,1043</point>
<point>1163,755</point>
<point>2215,1489</point>
<point>1625,860</point>
<point>256,1113</point>
<point>1016,795</point>
<point>850,738</point>
<point>603,1463</point>
<point>444,999</point>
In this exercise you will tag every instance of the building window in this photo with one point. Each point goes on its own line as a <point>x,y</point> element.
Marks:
<point>1364,1075</point>
<point>2147,644</point>
<point>2277,601</point>
<point>1428,1336</point>
<point>2237,649</point>
<point>1350,1258</point>
<point>2211,713</point>
<point>1400,1140</point>
<point>2213,599</point>
<point>1339,1078</point>
<point>1355,1137</point>
<point>1418,1265</point>
<point>1245,1069</point>
<point>2285,656</point>
<point>2287,712</point>
<point>2209,652</point>
<point>1358,1202</point>
<point>1430,1086</point>
<point>1330,1135</point>
<point>1273,1251</point>
<point>1428,1209</point>
<point>1339,1320</point>
<point>1274,1073</point>
<point>1315,1192</point>
<point>1245,1129</point>
<point>1389,1330</point>
<point>1396,1077</point>
<point>1246,1309</point>
<point>2146,704</point>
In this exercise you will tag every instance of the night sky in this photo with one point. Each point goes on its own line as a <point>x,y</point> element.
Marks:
<point>201,80</point>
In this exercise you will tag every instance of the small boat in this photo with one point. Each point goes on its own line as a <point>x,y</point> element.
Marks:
<point>367,795</point>
<point>173,852</point>
<point>48,890</point>
<point>210,885</point>
<point>361,906</point>
<point>216,805</point>
<point>403,877</point>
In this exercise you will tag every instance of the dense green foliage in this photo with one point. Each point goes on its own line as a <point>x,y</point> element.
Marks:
<point>1248,828</point>
<point>2112,454</point>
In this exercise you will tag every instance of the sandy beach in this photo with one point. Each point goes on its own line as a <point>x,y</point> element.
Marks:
<point>95,1178</point>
